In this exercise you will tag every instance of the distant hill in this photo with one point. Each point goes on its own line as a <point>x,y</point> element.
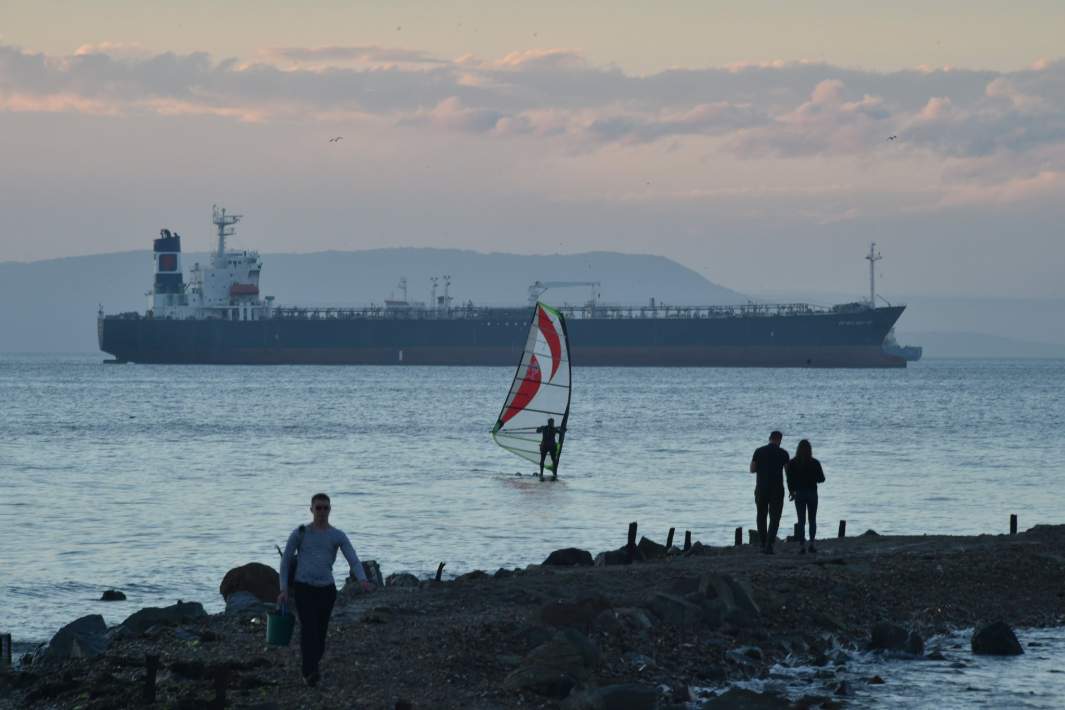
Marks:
<point>52,304</point>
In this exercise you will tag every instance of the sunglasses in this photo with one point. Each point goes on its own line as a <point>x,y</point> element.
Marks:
<point>321,507</point>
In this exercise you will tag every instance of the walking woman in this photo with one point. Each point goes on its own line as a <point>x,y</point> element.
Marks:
<point>804,473</point>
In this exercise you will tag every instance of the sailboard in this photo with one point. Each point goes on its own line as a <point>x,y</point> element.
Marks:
<point>540,390</point>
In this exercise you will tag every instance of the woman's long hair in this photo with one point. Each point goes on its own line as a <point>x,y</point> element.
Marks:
<point>804,452</point>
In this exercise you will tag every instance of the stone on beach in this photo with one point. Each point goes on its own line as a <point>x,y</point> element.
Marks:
<point>570,557</point>
<point>736,596</point>
<point>675,610</point>
<point>886,636</point>
<point>172,615</point>
<point>254,578</point>
<point>651,550</point>
<point>555,667</point>
<point>246,604</point>
<point>996,639</point>
<point>401,579</point>
<point>82,638</point>
<point>619,556</point>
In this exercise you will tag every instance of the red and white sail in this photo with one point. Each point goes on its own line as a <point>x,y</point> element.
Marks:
<point>540,390</point>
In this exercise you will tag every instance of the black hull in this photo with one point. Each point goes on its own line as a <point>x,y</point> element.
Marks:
<point>851,339</point>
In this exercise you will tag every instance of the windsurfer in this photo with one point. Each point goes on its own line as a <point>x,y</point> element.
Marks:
<point>548,446</point>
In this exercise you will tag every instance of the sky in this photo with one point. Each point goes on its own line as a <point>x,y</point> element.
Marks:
<point>763,144</point>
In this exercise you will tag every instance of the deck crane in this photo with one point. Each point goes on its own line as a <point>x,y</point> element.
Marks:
<point>538,288</point>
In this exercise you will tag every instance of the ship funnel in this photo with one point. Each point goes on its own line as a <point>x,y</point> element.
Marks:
<point>167,252</point>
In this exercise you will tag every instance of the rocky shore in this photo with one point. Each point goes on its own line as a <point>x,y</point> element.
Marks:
<point>656,633</point>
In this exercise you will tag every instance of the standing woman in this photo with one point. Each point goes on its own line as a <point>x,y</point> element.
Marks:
<point>804,473</point>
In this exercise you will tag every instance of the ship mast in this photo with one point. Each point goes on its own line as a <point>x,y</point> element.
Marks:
<point>872,258</point>
<point>224,222</point>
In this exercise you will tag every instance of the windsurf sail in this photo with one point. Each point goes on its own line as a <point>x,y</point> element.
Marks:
<point>540,391</point>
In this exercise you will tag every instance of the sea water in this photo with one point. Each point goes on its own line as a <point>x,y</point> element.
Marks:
<point>156,480</point>
<point>959,679</point>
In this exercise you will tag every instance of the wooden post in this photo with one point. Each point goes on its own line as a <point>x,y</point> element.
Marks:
<point>440,570</point>
<point>221,680</point>
<point>669,538</point>
<point>630,546</point>
<point>5,650</point>
<point>752,537</point>
<point>687,540</point>
<point>739,536</point>
<point>151,663</point>
<point>843,528</point>
<point>1013,524</point>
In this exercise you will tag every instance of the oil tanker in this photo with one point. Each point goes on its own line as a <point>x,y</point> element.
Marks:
<point>219,317</point>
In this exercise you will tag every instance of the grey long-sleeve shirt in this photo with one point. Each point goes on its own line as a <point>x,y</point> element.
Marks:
<point>317,554</point>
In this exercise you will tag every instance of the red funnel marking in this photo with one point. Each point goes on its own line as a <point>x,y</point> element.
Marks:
<point>530,385</point>
<point>551,336</point>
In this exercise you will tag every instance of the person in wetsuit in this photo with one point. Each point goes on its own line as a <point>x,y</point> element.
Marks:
<point>768,463</point>
<point>548,433</point>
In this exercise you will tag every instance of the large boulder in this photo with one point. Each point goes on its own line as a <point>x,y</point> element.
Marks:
<point>112,595</point>
<point>180,613</point>
<point>624,620</point>
<point>82,638</point>
<point>996,639</point>
<point>651,550</point>
<point>570,557</point>
<point>627,696</point>
<point>619,556</point>
<point>886,636</point>
<point>373,572</point>
<point>556,667</point>
<point>675,610</point>
<point>732,593</point>
<point>254,578</point>
<point>244,604</point>
<point>401,579</point>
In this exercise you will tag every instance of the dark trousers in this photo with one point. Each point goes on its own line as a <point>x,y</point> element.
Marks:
<point>806,507</point>
<point>314,606</point>
<point>544,453</point>
<point>771,504</point>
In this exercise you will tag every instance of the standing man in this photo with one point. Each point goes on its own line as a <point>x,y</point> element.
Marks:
<point>548,446</point>
<point>768,464</point>
<point>313,548</point>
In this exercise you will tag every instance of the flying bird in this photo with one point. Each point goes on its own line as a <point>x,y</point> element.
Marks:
<point>891,138</point>
<point>337,139</point>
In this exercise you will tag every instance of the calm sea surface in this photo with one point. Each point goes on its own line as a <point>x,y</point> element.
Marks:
<point>157,479</point>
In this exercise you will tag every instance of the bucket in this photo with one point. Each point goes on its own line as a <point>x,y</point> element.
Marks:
<point>279,626</point>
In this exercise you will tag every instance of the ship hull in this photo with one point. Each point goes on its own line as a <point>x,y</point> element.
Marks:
<point>497,338</point>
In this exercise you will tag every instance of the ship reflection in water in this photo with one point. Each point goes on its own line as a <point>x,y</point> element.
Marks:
<point>219,317</point>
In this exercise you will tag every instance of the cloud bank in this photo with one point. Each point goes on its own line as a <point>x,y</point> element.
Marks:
<point>781,109</point>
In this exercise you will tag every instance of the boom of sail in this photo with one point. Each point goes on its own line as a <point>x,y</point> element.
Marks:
<point>540,391</point>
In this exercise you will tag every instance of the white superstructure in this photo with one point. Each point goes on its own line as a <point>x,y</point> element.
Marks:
<point>227,288</point>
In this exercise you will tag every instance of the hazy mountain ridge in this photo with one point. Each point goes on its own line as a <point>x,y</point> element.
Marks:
<point>54,302</point>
